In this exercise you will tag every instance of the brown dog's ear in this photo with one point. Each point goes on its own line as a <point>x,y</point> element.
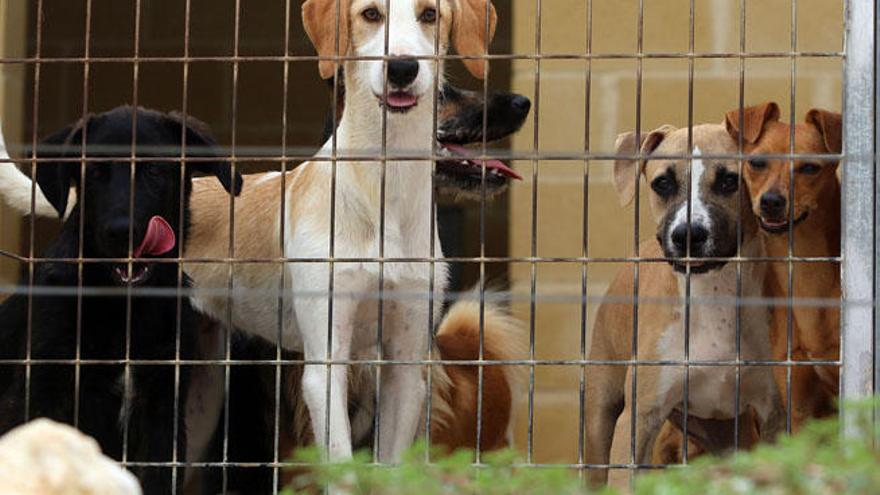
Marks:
<point>625,168</point>
<point>829,125</point>
<point>753,121</point>
<point>469,34</point>
<point>320,22</point>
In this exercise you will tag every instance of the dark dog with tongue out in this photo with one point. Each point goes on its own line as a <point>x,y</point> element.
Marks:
<point>103,332</point>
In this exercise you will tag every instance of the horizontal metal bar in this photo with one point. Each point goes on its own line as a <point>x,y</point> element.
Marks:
<point>489,57</point>
<point>451,259</point>
<point>241,156</point>
<point>419,362</point>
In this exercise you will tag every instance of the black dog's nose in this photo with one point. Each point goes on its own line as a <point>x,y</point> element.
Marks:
<point>521,103</point>
<point>117,230</point>
<point>773,204</point>
<point>699,236</point>
<point>401,73</point>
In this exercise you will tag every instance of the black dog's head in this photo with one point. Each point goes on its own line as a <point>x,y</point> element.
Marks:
<point>105,182</point>
<point>460,123</point>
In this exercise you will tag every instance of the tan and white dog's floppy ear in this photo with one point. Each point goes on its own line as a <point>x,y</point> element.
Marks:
<point>469,34</point>
<point>320,22</point>
<point>625,170</point>
<point>829,125</point>
<point>753,121</point>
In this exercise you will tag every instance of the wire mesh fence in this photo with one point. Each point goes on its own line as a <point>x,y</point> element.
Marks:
<point>727,297</point>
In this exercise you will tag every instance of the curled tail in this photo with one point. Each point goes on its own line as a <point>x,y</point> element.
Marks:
<point>16,188</point>
<point>455,396</point>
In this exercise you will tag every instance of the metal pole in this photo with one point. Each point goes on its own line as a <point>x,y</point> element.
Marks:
<point>858,207</point>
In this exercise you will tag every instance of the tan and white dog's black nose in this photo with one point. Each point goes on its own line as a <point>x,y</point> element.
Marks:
<point>402,73</point>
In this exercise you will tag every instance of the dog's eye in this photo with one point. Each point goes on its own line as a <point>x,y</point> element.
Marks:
<point>428,16</point>
<point>664,186</point>
<point>729,183</point>
<point>371,14</point>
<point>809,169</point>
<point>758,163</point>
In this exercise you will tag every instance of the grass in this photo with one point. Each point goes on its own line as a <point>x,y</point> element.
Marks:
<point>816,461</point>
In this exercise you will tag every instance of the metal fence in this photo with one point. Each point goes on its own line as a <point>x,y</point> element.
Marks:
<point>858,329</point>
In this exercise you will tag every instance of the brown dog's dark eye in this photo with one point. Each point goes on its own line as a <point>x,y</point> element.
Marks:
<point>758,163</point>
<point>809,169</point>
<point>428,16</point>
<point>371,14</point>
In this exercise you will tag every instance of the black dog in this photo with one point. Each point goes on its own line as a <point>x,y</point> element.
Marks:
<point>130,409</point>
<point>460,122</point>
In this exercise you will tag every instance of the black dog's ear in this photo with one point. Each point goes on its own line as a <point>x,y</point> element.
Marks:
<point>200,143</point>
<point>55,178</point>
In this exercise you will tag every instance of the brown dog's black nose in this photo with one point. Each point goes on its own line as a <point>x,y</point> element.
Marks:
<point>699,236</point>
<point>773,204</point>
<point>401,73</point>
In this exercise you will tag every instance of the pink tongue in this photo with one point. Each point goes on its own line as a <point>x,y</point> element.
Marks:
<point>158,240</point>
<point>495,164</point>
<point>402,100</point>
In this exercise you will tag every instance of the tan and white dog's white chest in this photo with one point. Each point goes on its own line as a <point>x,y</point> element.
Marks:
<point>715,322</point>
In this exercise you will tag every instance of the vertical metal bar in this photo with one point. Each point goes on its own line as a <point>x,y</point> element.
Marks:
<point>739,226</point>
<point>32,220</point>
<point>792,118</point>
<point>585,246</point>
<point>482,279</point>
<point>687,301</point>
<point>129,289</point>
<point>858,207</point>
<point>81,227</point>
<point>634,359</point>
<point>181,219</point>
<point>432,245</point>
<point>534,245</point>
<point>377,428</point>
<point>279,376</point>
<point>231,247</point>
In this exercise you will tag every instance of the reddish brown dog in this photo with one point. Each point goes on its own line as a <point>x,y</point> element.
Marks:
<point>811,210</point>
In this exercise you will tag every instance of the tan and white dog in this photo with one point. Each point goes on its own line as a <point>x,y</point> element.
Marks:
<point>697,213</point>
<point>311,227</point>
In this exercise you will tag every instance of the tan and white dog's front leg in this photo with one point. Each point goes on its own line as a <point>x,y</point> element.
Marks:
<point>403,387</point>
<point>332,405</point>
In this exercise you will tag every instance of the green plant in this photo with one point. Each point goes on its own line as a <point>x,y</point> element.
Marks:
<point>816,461</point>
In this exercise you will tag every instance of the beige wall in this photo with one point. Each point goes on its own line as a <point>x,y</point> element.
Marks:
<point>561,129</point>
<point>12,80</point>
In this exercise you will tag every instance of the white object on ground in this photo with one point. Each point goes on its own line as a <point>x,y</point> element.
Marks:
<point>44,457</point>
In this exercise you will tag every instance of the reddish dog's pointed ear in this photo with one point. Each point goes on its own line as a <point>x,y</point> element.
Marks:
<point>320,22</point>
<point>469,34</point>
<point>829,125</point>
<point>753,121</point>
<point>625,168</point>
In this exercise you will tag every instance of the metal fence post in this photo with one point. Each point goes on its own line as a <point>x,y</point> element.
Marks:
<point>858,209</point>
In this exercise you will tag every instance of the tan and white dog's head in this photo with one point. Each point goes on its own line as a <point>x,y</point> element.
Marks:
<point>411,27</point>
<point>715,203</point>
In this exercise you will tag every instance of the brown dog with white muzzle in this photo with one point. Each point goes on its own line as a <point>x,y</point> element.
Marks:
<point>687,308</point>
